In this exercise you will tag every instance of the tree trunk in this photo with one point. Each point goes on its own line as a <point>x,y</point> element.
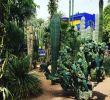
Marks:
<point>100,20</point>
<point>69,9</point>
<point>30,44</point>
<point>72,11</point>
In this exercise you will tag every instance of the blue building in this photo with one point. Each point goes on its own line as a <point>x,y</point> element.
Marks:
<point>76,19</point>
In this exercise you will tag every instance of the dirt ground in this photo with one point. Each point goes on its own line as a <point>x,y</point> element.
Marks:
<point>54,92</point>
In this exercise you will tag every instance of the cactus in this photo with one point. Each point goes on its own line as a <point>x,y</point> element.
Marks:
<point>55,40</point>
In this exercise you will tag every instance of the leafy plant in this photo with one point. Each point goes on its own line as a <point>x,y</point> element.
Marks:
<point>106,26</point>
<point>4,92</point>
<point>69,46</point>
<point>15,37</point>
<point>107,65</point>
<point>20,81</point>
<point>52,7</point>
<point>70,38</point>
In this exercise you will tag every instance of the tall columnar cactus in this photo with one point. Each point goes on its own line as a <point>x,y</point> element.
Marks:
<point>55,40</point>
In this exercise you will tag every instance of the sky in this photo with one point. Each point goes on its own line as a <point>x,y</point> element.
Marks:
<point>88,6</point>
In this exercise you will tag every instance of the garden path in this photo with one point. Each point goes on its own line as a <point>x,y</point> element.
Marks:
<point>54,92</point>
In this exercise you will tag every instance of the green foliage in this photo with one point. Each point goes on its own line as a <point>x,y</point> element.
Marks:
<point>70,43</point>
<point>107,65</point>
<point>24,9</point>
<point>70,37</point>
<point>52,7</point>
<point>19,80</point>
<point>65,59</point>
<point>16,77</point>
<point>39,29</point>
<point>5,9</point>
<point>4,92</point>
<point>46,41</point>
<point>13,13</point>
<point>106,26</point>
<point>46,37</point>
<point>55,40</point>
<point>15,37</point>
<point>41,34</point>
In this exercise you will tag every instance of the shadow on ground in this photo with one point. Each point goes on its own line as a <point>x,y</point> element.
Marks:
<point>98,96</point>
<point>62,94</point>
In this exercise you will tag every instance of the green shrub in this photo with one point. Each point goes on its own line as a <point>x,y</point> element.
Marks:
<point>107,65</point>
<point>4,92</point>
<point>14,38</point>
<point>20,80</point>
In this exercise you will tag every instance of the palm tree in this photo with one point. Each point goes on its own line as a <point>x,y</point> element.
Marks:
<point>27,12</point>
<point>52,7</point>
<point>5,9</point>
<point>100,20</point>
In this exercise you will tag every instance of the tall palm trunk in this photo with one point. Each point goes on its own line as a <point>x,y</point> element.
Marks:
<point>100,20</point>
<point>72,11</point>
<point>69,9</point>
<point>30,44</point>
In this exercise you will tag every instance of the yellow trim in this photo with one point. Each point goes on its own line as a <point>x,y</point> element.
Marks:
<point>75,22</point>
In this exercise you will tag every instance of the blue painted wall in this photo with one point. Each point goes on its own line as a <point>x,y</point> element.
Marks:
<point>88,17</point>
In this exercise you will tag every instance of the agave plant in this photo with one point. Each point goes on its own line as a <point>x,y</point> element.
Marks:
<point>21,82</point>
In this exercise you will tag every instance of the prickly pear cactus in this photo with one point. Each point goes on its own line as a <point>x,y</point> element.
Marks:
<point>55,40</point>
